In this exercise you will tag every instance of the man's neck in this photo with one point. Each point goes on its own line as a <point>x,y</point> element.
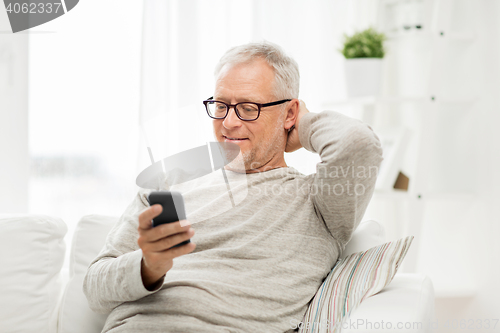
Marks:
<point>274,163</point>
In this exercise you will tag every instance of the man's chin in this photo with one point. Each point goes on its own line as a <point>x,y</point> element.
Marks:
<point>237,164</point>
<point>243,163</point>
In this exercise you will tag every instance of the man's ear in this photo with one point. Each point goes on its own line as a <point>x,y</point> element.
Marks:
<point>292,112</point>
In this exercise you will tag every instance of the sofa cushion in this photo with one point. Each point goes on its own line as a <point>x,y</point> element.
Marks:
<point>32,252</point>
<point>353,279</point>
<point>75,316</point>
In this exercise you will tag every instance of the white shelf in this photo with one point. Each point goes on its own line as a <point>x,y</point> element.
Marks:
<point>392,194</point>
<point>462,36</point>
<point>373,100</point>
<point>454,195</point>
<point>435,195</point>
<point>370,100</point>
<point>467,36</point>
<point>403,35</point>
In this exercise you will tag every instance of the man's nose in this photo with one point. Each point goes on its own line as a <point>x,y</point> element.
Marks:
<point>231,119</point>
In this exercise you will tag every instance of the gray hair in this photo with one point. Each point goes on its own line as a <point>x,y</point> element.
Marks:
<point>286,70</point>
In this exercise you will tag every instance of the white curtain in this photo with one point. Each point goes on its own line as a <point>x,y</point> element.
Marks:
<point>183,41</point>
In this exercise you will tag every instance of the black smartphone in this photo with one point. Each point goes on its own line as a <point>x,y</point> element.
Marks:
<point>173,208</point>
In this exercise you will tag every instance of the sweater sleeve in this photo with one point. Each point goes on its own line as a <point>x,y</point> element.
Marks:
<point>345,178</point>
<point>114,276</point>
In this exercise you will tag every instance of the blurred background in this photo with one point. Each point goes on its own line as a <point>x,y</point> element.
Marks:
<point>83,96</point>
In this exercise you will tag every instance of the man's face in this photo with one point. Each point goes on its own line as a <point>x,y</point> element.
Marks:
<point>262,141</point>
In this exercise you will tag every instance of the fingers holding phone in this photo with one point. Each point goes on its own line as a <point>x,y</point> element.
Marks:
<point>161,238</point>
<point>169,236</point>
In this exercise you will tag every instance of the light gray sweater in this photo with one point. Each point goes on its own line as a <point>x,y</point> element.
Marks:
<point>256,266</point>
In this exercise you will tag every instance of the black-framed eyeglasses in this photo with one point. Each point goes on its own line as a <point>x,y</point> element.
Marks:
<point>246,111</point>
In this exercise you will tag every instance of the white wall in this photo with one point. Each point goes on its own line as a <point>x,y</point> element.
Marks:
<point>14,160</point>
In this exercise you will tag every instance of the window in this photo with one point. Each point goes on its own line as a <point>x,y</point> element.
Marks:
<point>84,104</point>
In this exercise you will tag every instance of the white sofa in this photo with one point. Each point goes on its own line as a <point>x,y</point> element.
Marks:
<point>35,296</point>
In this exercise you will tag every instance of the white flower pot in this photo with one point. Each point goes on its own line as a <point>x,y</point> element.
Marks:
<point>363,76</point>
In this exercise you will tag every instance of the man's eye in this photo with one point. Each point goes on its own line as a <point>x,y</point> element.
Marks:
<point>249,108</point>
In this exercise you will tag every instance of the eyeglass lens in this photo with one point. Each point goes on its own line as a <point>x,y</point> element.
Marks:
<point>247,111</point>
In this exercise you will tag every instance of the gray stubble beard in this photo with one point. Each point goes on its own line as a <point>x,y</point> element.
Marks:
<point>248,158</point>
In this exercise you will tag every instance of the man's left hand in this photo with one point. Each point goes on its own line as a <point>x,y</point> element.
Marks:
<point>293,142</point>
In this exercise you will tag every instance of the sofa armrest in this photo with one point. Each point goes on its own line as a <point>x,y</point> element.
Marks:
<point>32,252</point>
<point>405,305</point>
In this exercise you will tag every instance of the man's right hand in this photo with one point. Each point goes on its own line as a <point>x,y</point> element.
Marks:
<point>156,243</point>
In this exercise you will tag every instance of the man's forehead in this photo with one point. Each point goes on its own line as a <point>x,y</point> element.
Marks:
<point>250,79</point>
<point>241,92</point>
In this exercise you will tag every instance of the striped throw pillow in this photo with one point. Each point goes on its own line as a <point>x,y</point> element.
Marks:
<point>352,280</point>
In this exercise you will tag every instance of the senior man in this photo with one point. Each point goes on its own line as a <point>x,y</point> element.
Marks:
<point>256,266</point>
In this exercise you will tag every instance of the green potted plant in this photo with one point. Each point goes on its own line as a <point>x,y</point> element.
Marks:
<point>363,68</point>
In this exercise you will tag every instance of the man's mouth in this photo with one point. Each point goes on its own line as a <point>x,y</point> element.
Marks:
<point>234,139</point>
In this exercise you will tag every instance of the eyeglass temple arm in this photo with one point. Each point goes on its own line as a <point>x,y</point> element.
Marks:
<point>275,103</point>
